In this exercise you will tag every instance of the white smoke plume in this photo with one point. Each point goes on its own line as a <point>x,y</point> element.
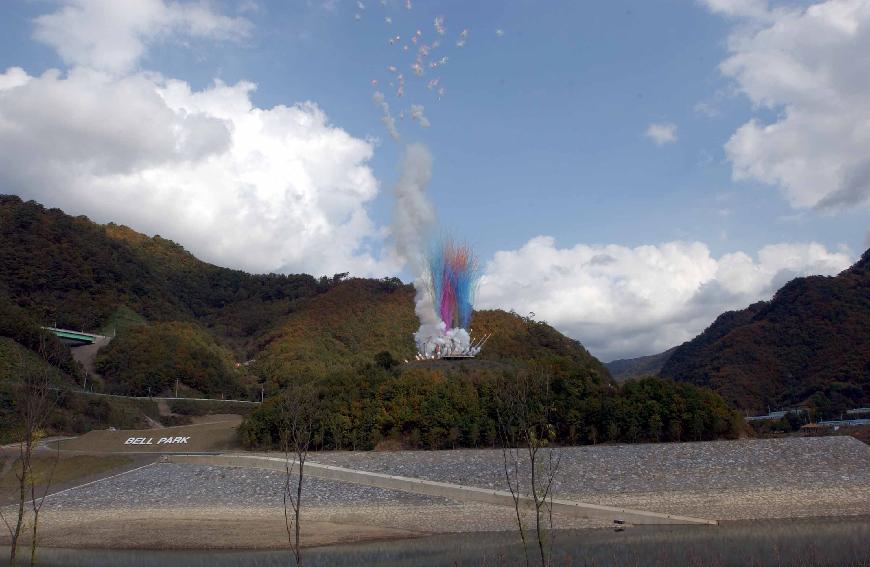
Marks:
<point>413,223</point>
<point>387,118</point>
<point>417,113</point>
<point>414,217</point>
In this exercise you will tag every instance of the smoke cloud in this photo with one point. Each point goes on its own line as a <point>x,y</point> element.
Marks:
<point>413,222</point>
<point>387,117</point>
<point>417,113</point>
<point>414,217</point>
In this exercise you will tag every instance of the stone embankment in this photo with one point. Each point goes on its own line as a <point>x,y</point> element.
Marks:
<point>169,505</point>
<point>725,480</point>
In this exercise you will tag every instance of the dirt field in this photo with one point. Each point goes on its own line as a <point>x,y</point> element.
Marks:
<point>198,528</point>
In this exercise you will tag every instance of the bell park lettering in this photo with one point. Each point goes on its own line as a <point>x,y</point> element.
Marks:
<point>160,441</point>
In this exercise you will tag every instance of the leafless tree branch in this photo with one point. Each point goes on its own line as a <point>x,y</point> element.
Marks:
<point>297,427</point>
<point>36,400</point>
<point>523,414</point>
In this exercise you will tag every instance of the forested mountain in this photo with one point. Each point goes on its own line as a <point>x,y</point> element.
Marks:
<point>809,344</point>
<point>358,318</point>
<point>627,368</point>
<point>72,272</point>
<point>218,332</point>
<point>76,274</point>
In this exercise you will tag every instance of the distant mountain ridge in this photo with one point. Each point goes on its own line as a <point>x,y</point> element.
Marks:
<point>627,368</point>
<point>809,344</point>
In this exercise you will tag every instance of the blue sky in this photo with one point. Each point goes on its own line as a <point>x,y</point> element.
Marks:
<point>541,132</point>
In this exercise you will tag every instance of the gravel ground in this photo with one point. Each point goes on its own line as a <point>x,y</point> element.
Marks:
<point>616,469</point>
<point>178,506</point>
<point>172,485</point>
<point>146,508</point>
<point>744,479</point>
<point>747,479</point>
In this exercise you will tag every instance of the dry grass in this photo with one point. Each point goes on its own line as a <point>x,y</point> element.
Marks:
<point>66,470</point>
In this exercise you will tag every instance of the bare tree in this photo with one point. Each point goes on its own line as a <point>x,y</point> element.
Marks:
<point>36,502</point>
<point>530,465</point>
<point>297,426</point>
<point>34,404</point>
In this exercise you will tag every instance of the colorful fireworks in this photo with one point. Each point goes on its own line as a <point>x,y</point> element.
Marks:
<point>453,279</point>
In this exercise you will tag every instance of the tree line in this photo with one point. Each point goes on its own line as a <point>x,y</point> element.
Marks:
<point>415,406</point>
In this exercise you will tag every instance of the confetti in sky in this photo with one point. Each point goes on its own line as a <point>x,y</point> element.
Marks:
<point>420,62</point>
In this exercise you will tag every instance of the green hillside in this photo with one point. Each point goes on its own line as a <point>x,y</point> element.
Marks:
<point>520,339</point>
<point>225,333</point>
<point>346,325</point>
<point>73,273</point>
<point>148,359</point>
<point>449,404</point>
<point>359,318</point>
<point>810,344</point>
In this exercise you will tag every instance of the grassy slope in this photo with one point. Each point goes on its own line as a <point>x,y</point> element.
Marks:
<point>60,471</point>
<point>14,357</point>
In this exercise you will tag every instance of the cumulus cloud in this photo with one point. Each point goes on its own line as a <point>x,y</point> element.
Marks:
<point>263,189</point>
<point>662,133</point>
<point>257,188</point>
<point>810,65</point>
<point>112,36</point>
<point>623,302</point>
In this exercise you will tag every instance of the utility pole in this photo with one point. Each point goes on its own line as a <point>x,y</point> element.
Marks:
<point>262,392</point>
<point>176,387</point>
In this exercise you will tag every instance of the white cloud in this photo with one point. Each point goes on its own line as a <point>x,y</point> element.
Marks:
<point>707,109</point>
<point>756,9</point>
<point>112,36</point>
<point>263,189</point>
<point>662,133</point>
<point>809,64</point>
<point>258,188</point>
<point>622,301</point>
